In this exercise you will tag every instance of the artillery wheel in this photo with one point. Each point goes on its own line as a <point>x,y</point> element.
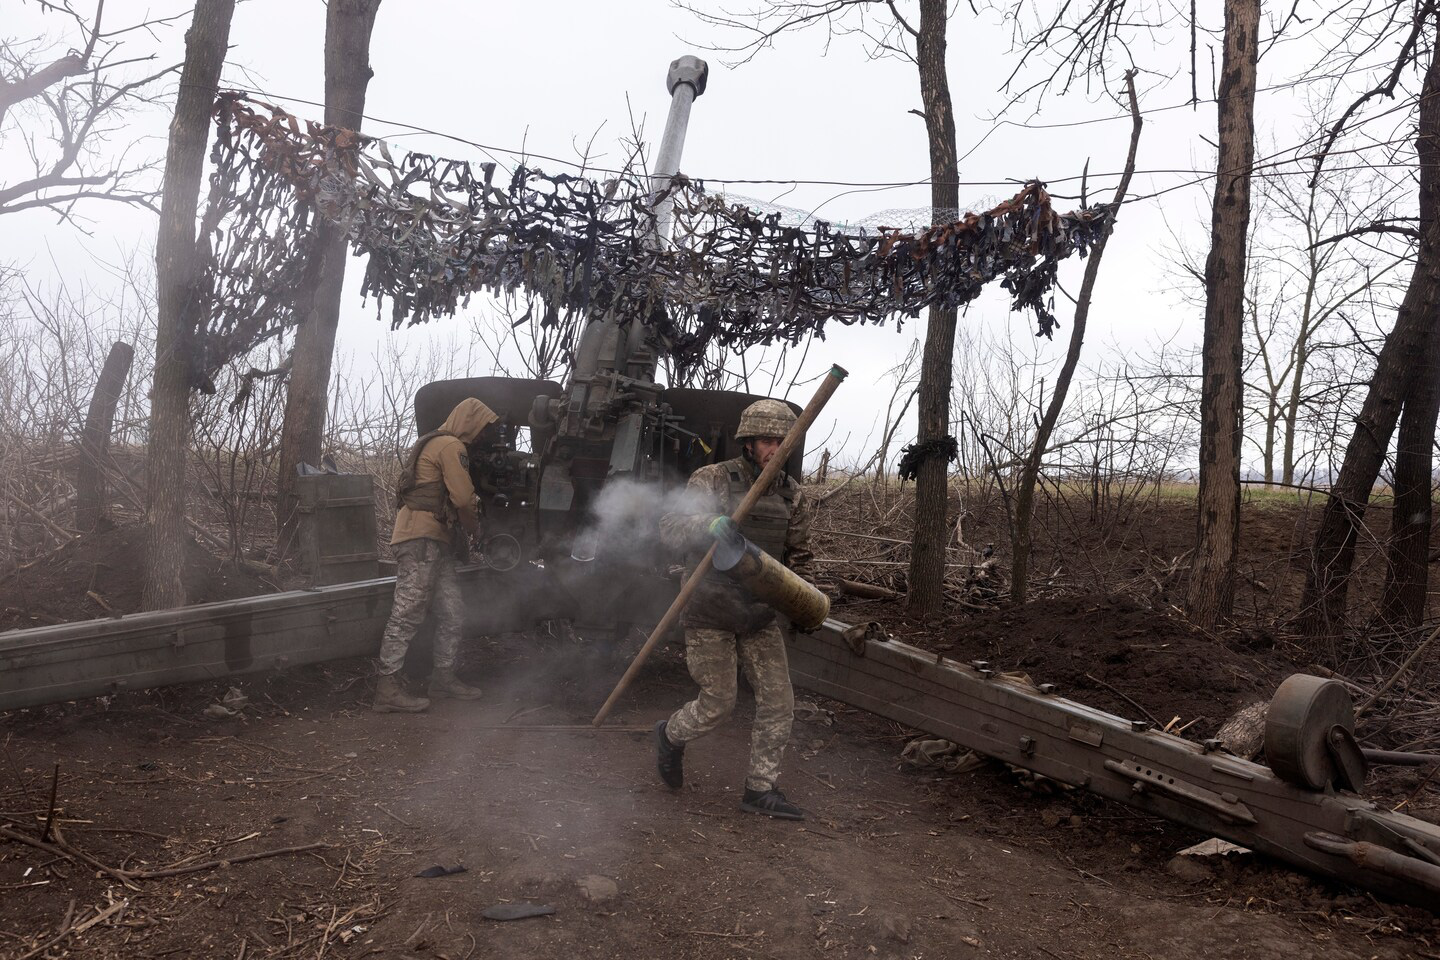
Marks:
<point>502,552</point>
<point>1301,716</point>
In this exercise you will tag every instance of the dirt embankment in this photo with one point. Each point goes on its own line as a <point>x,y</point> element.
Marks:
<point>102,574</point>
<point>1110,652</point>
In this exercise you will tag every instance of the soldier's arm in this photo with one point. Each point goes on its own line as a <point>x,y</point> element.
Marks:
<point>797,538</point>
<point>455,469</point>
<point>688,526</point>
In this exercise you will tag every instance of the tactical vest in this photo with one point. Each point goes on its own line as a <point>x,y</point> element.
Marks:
<point>432,497</point>
<point>720,602</point>
<point>769,520</point>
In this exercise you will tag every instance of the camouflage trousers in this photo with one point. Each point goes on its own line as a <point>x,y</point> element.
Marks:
<point>711,655</point>
<point>424,575</point>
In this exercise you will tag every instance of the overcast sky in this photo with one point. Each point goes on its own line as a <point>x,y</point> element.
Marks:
<point>546,75</point>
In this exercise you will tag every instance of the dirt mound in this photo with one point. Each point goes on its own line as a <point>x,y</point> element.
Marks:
<point>102,574</point>
<point>1101,649</point>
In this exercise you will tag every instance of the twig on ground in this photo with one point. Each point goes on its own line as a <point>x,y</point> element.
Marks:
<point>561,727</point>
<point>63,849</point>
<point>65,930</point>
<point>19,779</point>
<point>1148,715</point>
<point>50,813</point>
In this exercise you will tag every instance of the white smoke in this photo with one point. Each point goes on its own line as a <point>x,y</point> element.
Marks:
<point>625,517</point>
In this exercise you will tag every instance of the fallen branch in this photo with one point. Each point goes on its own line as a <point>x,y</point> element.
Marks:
<point>105,914</point>
<point>562,727</point>
<point>867,591</point>
<point>224,549</point>
<point>63,535</point>
<point>1380,690</point>
<point>62,849</point>
<point>880,563</point>
<point>65,930</point>
<point>859,536</point>
<point>1148,715</point>
<point>212,864</point>
<point>249,566</point>
<point>35,560</point>
<point>50,813</point>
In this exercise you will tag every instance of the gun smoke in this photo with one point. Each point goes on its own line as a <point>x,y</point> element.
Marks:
<point>624,519</point>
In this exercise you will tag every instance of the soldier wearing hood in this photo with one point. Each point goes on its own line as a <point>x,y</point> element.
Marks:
<point>435,513</point>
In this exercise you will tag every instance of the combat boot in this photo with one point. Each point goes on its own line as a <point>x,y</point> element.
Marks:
<point>445,685</point>
<point>770,802</point>
<point>669,759</point>
<point>392,697</point>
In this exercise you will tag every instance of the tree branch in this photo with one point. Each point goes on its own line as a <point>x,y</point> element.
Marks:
<point>1386,88</point>
<point>1377,226</point>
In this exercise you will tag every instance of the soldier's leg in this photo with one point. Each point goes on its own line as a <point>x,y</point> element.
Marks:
<point>449,616</point>
<point>710,654</point>
<point>414,576</point>
<point>449,608</point>
<point>762,656</point>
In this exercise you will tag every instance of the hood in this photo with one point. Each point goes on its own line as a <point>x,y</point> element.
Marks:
<point>469,417</point>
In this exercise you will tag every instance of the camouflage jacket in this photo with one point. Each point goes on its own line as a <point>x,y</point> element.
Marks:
<point>720,602</point>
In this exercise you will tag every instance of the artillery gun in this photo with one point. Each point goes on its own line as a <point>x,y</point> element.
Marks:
<point>550,537</point>
<point>591,563</point>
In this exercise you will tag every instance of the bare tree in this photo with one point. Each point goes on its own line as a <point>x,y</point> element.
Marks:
<point>1217,531</point>
<point>1303,288</point>
<point>177,266</point>
<point>932,488</point>
<point>65,109</point>
<point>348,25</point>
<point>1401,363</point>
<point>1079,43</point>
<point>1407,565</point>
<point>1318,280</point>
<point>90,500</point>
<point>1030,473</point>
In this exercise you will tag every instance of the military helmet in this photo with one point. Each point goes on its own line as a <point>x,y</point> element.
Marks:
<point>765,418</point>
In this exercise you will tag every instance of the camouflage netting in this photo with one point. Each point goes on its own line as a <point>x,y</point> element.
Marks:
<point>435,231</point>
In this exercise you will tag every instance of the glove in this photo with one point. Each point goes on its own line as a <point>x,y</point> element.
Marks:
<point>723,528</point>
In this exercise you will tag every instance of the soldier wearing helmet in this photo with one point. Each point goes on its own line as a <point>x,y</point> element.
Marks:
<point>724,624</point>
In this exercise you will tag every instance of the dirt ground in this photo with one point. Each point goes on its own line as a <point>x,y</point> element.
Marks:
<point>101,574</point>
<point>893,862</point>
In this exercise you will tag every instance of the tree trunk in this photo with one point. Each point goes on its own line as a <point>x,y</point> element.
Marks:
<point>927,557</point>
<point>348,25</point>
<point>1212,578</point>
<point>1322,611</point>
<point>1300,359</point>
<point>1292,410</point>
<point>95,440</point>
<point>1020,543</point>
<point>1408,556</point>
<point>176,313</point>
<point>1272,419</point>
